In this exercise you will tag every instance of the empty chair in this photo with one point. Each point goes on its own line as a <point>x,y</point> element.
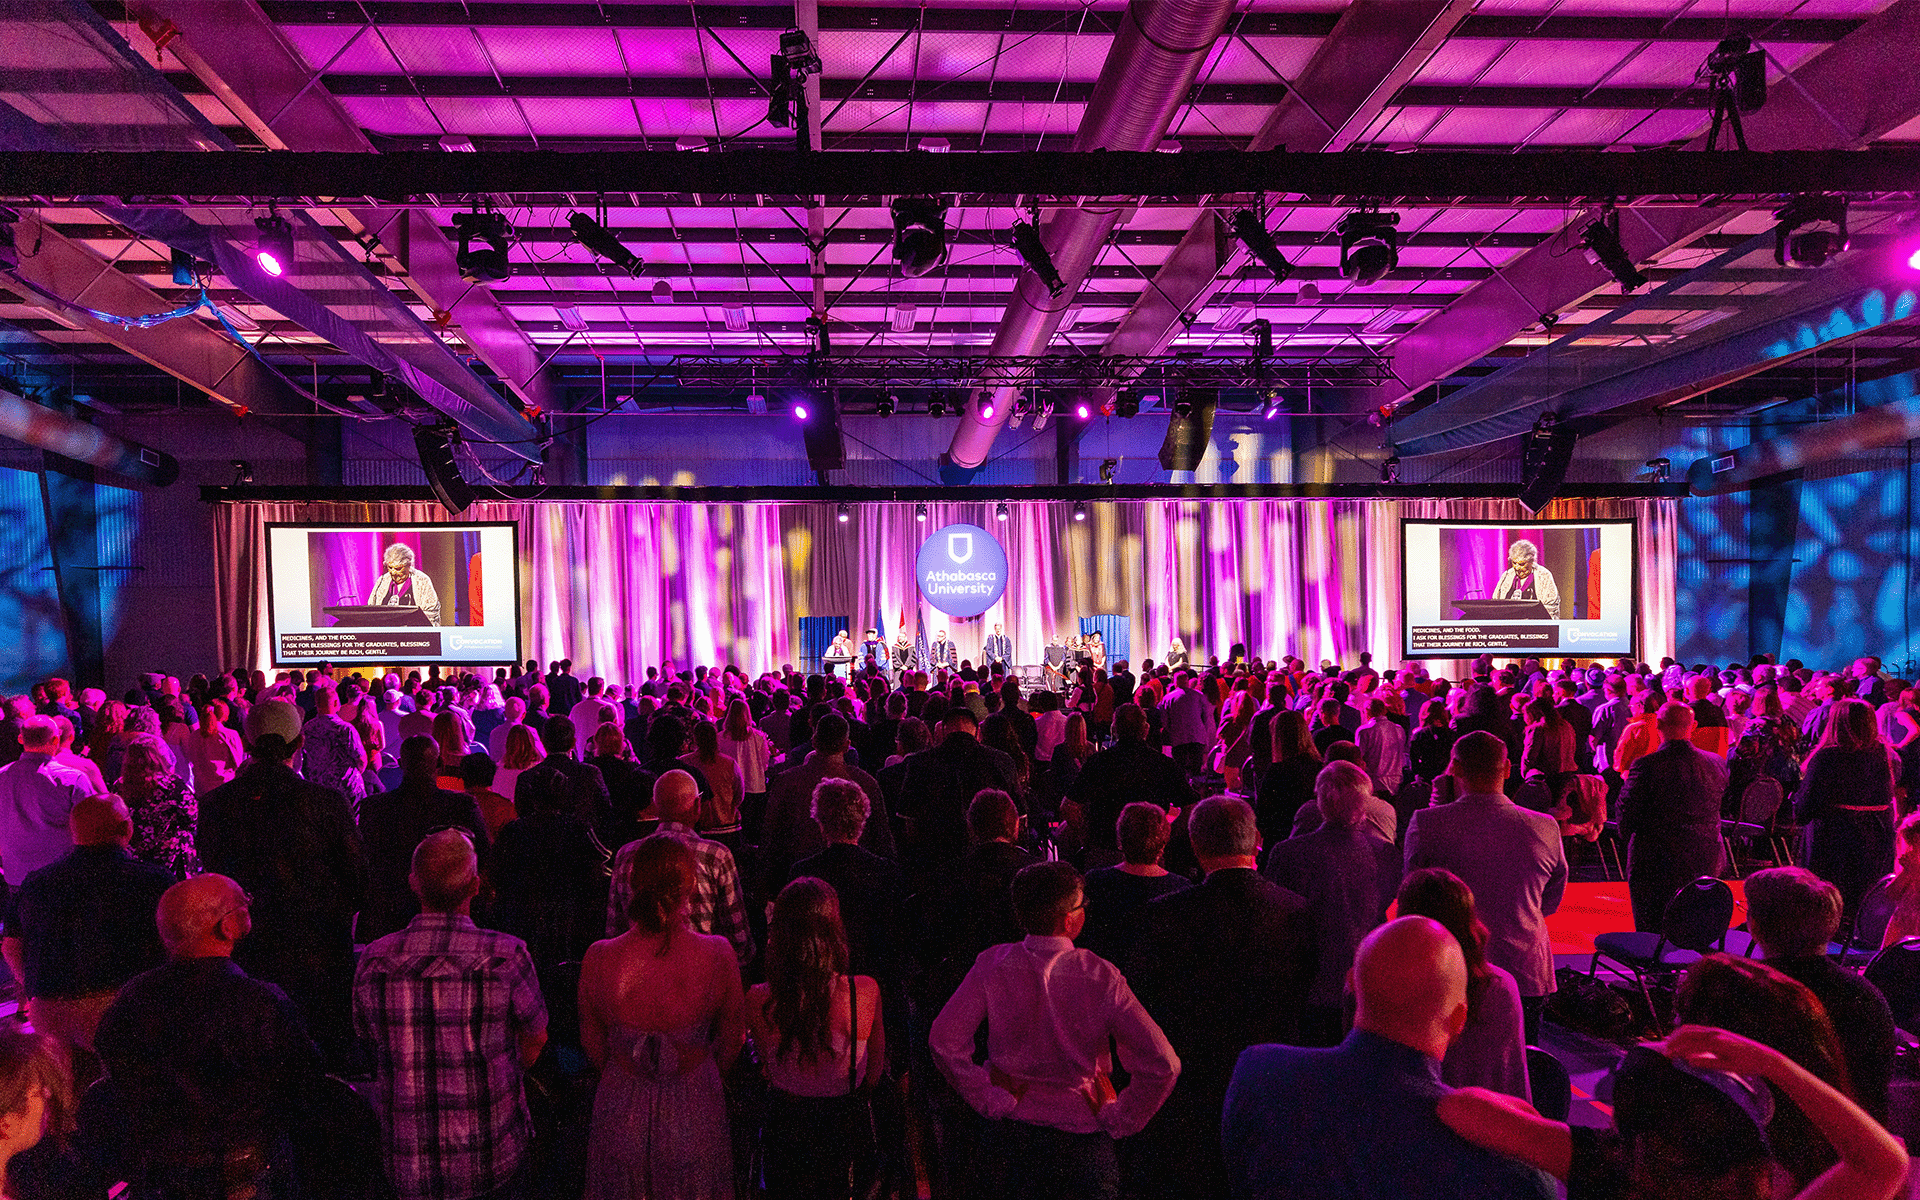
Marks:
<point>1695,921</point>
<point>1896,972</point>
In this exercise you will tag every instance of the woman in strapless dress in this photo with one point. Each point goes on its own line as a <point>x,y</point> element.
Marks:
<point>662,1017</point>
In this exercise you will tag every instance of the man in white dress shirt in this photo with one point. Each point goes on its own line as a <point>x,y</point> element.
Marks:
<point>1051,1010</point>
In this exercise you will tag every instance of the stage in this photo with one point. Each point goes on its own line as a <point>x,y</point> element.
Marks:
<point>618,586</point>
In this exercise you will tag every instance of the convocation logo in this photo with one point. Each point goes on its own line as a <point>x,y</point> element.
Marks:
<point>962,570</point>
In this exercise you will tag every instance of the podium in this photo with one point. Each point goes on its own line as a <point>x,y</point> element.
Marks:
<point>1499,610</point>
<point>838,666</point>
<point>376,616</point>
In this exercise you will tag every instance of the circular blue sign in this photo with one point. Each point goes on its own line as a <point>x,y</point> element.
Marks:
<point>962,570</point>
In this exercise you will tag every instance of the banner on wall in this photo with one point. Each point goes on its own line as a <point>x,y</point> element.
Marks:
<point>962,570</point>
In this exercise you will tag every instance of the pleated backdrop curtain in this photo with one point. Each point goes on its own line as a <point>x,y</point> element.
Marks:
<point>620,586</point>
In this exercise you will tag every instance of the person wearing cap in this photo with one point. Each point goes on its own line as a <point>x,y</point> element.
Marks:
<point>36,796</point>
<point>1690,1115</point>
<point>1360,1121</point>
<point>294,847</point>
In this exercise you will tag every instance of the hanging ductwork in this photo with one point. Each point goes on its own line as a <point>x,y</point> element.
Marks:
<point>1890,424</point>
<point>46,429</point>
<point>1156,56</point>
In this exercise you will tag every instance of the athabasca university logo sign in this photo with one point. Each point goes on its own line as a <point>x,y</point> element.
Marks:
<point>962,570</point>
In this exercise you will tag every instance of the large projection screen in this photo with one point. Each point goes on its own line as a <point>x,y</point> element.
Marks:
<point>332,595</point>
<point>1462,595</point>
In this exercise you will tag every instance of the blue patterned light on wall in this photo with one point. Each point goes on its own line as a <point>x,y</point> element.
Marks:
<point>1873,310</point>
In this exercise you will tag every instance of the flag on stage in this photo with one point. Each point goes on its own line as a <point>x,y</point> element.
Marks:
<point>921,655</point>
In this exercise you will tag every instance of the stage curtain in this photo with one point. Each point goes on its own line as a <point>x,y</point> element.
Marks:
<point>620,586</point>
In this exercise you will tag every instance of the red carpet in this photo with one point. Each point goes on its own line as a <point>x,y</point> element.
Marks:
<point>1590,908</point>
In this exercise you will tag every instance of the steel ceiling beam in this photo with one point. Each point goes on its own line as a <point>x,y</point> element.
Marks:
<point>1859,90</point>
<point>744,175</point>
<point>233,47</point>
<point>187,348</point>
<point>1328,107</point>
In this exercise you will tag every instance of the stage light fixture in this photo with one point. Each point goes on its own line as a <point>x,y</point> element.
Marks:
<point>1126,406</point>
<point>1182,406</point>
<point>1309,293</point>
<point>986,410</point>
<point>1369,246</point>
<point>242,472</point>
<point>842,514</point>
<point>1272,405</point>
<point>1736,76</point>
<point>1603,248</point>
<point>1259,243</point>
<point>800,411</point>
<point>1033,252</point>
<point>920,513</point>
<point>1107,467</point>
<point>1000,512</point>
<point>937,405</point>
<point>919,234</point>
<point>1083,411</point>
<point>1261,331</point>
<point>273,243</point>
<point>1811,231</point>
<point>595,237</point>
<point>1390,469</point>
<point>1913,260</point>
<point>1079,510</point>
<point>886,404</point>
<point>488,263</point>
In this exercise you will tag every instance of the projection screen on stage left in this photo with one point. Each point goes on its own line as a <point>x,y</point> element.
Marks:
<point>1462,595</point>
<point>394,593</point>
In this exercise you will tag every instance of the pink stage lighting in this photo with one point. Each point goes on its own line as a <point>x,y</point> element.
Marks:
<point>986,412</point>
<point>1914,261</point>
<point>799,412</point>
<point>1081,410</point>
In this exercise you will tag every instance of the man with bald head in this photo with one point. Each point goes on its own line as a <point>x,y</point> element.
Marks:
<point>443,999</point>
<point>208,1065</point>
<point>80,928</point>
<point>36,795</point>
<point>1358,1121</point>
<point>718,909</point>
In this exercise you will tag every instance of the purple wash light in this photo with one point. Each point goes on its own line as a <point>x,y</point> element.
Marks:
<point>799,412</point>
<point>1081,410</point>
<point>1914,260</point>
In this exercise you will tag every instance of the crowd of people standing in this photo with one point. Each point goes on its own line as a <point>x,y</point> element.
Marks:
<point>826,937</point>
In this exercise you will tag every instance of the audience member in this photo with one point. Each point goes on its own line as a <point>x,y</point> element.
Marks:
<point>1510,858</point>
<point>1116,894</point>
<point>789,831</point>
<point>575,785</point>
<point>393,823</point>
<point>662,1016</point>
<point>717,907</point>
<point>818,1033</point>
<point>938,787</point>
<point>444,1000</point>
<point>967,905</point>
<point>207,1066</point>
<point>294,848</point>
<point>1490,1051</point>
<point>1794,915</point>
<point>1359,1121</point>
<point>1052,1012</point>
<point>36,797</point>
<point>1129,770</point>
<point>79,928</point>
<point>1845,803</point>
<point>1347,874</point>
<point>1220,967</point>
<point>1670,816</point>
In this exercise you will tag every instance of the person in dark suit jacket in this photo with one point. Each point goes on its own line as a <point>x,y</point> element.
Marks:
<point>968,906</point>
<point>1131,769</point>
<point>1220,967</point>
<point>789,831</point>
<point>576,787</point>
<point>1348,874</point>
<point>939,786</point>
<point>392,824</point>
<point>1670,816</point>
<point>999,649</point>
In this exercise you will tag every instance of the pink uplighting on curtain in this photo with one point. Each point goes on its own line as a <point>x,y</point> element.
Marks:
<point>620,586</point>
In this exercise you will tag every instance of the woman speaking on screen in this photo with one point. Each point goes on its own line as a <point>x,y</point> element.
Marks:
<point>1526,579</point>
<point>403,584</point>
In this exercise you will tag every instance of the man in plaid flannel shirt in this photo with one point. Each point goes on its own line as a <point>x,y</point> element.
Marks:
<point>717,907</point>
<point>455,1017</point>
